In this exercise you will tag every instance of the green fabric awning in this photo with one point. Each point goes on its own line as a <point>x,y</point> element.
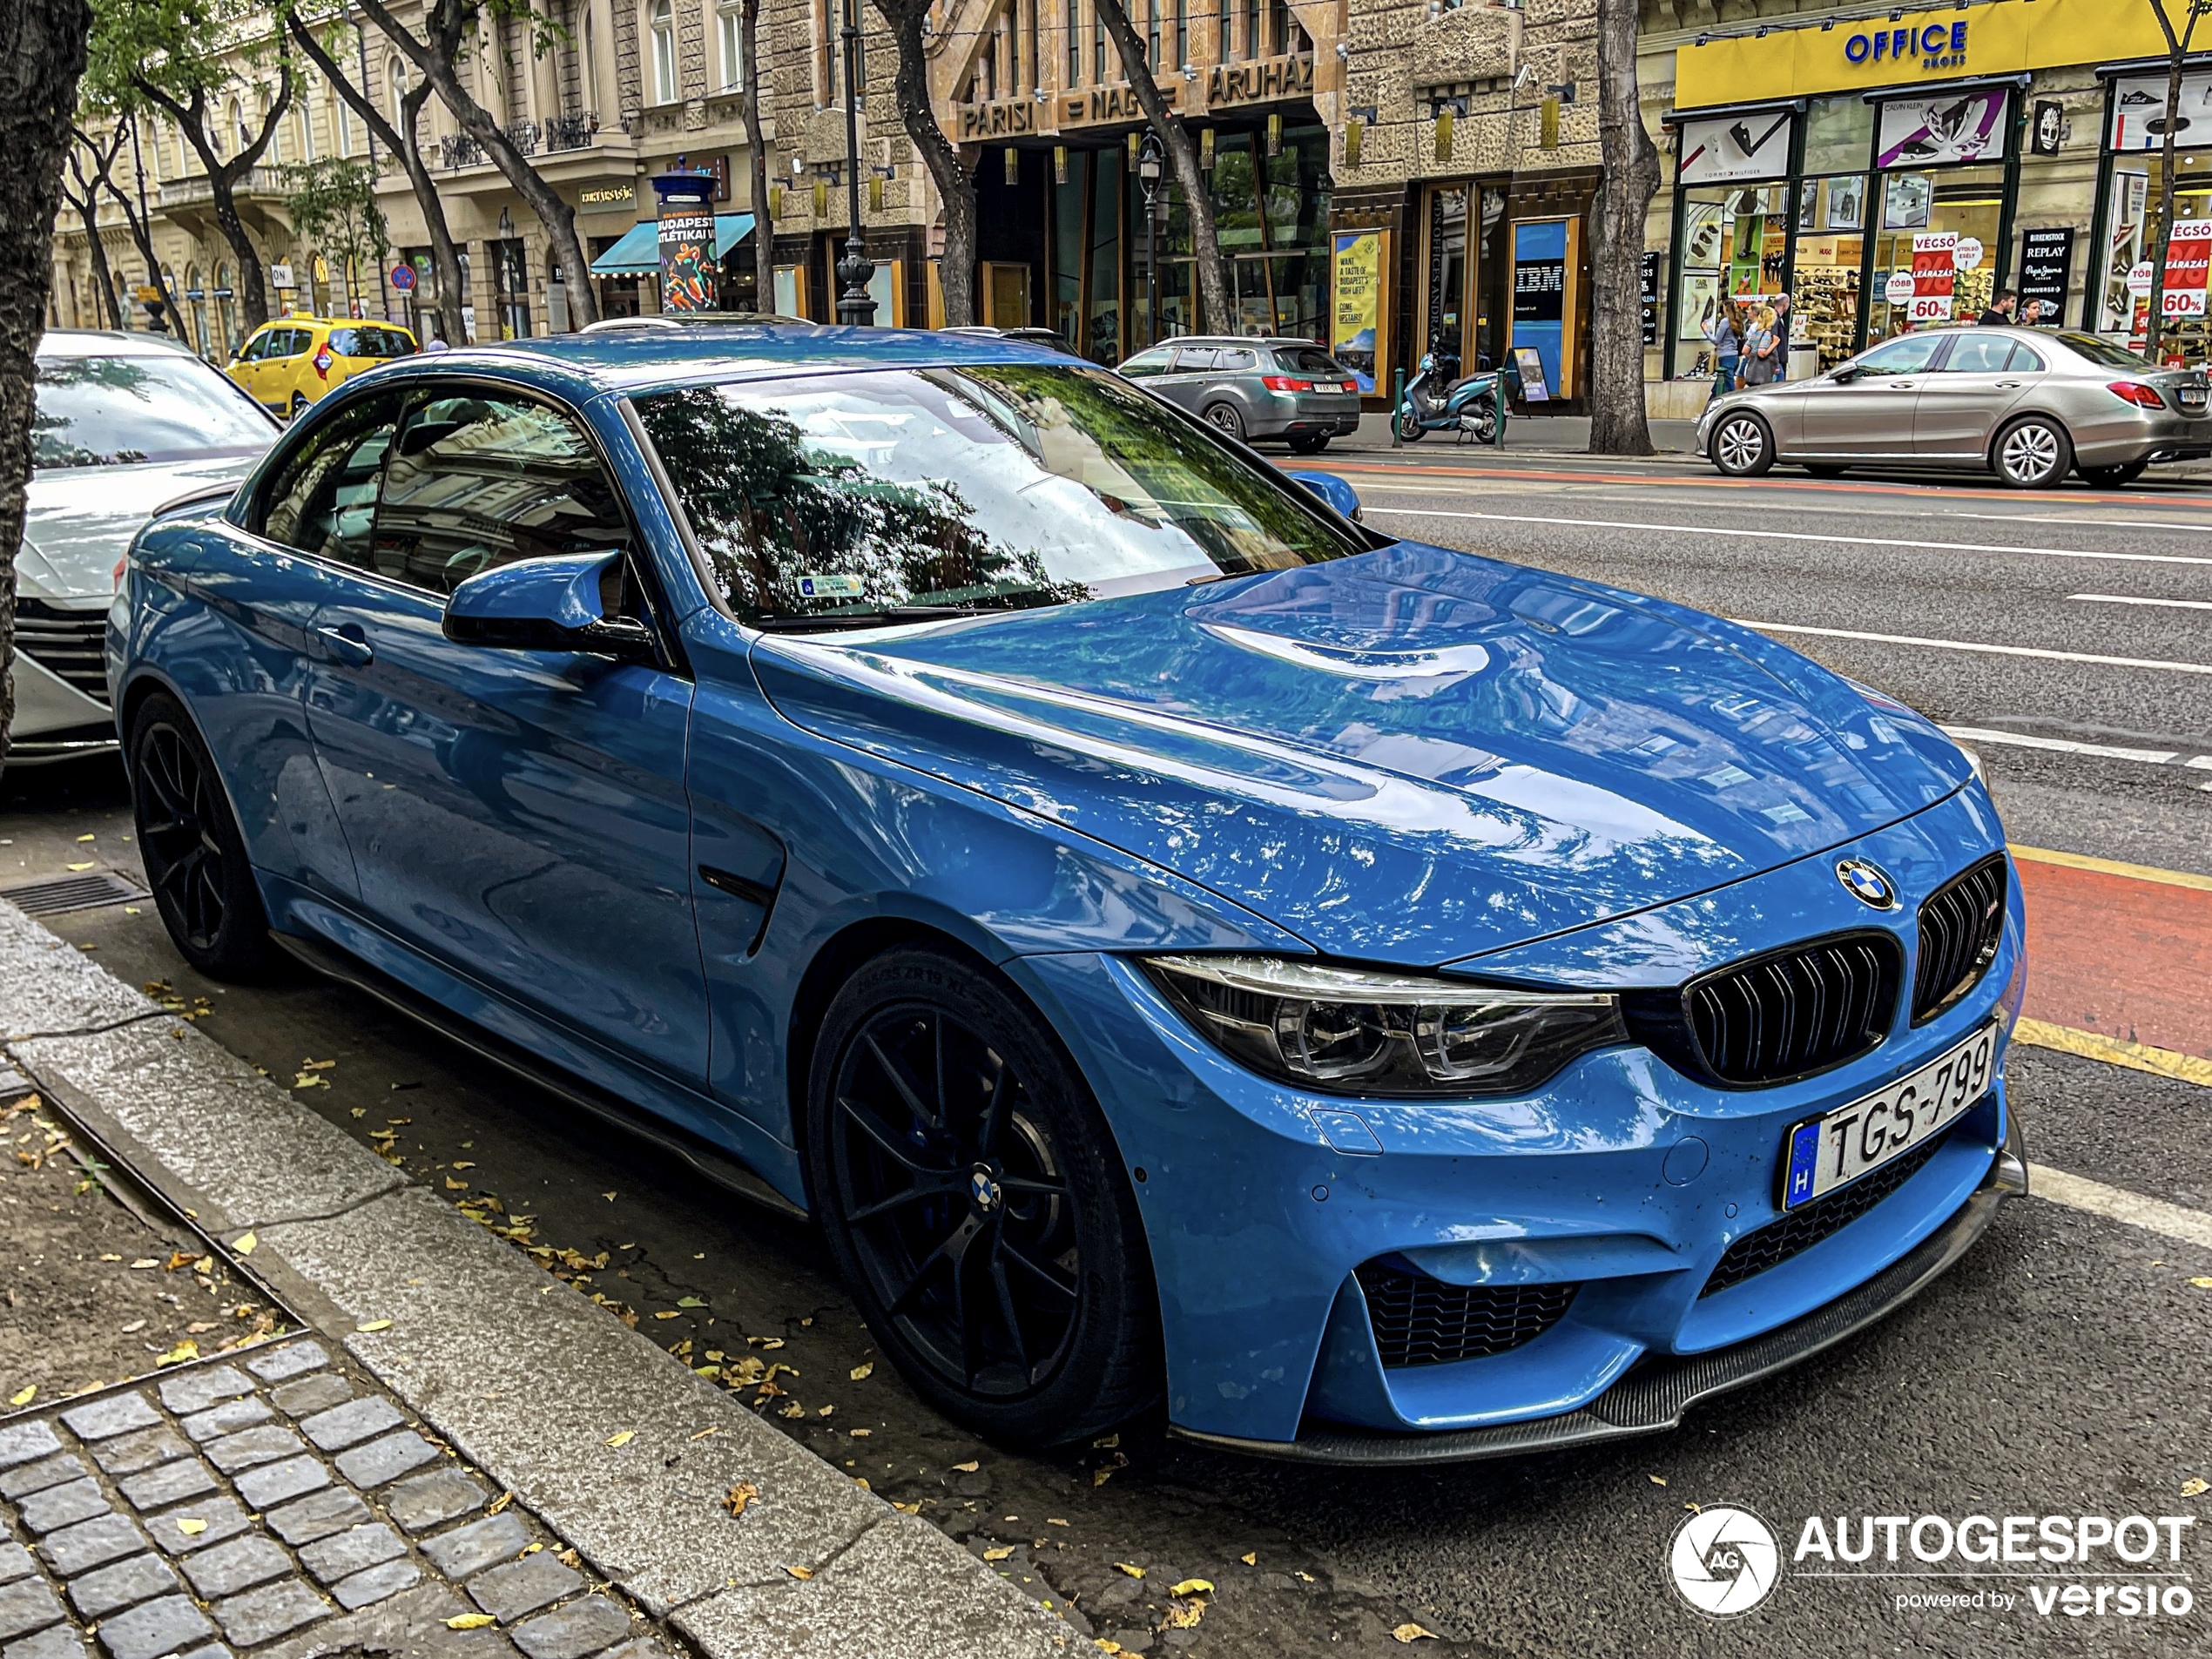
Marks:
<point>638,253</point>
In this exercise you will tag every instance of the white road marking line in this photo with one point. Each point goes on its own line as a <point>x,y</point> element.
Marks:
<point>2092,523</point>
<point>2132,599</point>
<point>2152,1215</point>
<point>1770,535</point>
<point>1975,645</point>
<point>2066,746</point>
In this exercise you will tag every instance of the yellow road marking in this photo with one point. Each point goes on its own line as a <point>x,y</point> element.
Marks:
<point>2139,1056</point>
<point>2109,866</point>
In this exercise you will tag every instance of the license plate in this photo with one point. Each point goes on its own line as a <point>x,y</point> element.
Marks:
<point>1824,1153</point>
<point>2192,397</point>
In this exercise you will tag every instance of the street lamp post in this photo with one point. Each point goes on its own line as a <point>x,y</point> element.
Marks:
<point>1148,170</point>
<point>856,305</point>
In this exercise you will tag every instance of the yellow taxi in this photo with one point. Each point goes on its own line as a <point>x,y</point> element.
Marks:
<point>290,362</point>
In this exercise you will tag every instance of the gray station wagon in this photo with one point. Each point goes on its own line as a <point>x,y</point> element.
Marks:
<point>1254,389</point>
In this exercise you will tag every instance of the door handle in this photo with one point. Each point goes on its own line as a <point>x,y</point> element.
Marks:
<point>347,644</point>
<point>2010,385</point>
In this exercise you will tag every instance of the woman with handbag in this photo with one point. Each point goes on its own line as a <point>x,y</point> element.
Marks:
<point>1762,349</point>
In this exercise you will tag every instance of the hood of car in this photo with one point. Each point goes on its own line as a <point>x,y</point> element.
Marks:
<point>81,519</point>
<point>1410,756</point>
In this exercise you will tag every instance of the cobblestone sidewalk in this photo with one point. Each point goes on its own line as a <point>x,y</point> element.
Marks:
<point>279,1506</point>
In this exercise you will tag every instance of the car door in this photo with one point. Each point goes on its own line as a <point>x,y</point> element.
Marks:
<point>1186,381</point>
<point>1867,408</point>
<point>1983,375</point>
<point>519,816</point>
<point>278,377</point>
<point>244,369</point>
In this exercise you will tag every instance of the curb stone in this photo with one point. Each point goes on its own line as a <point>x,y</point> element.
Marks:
<point>346,1241</point>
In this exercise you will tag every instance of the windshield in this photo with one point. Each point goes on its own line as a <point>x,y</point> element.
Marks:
<point>112,411</point>
<point>2103,352</point>
<point>833,501</point>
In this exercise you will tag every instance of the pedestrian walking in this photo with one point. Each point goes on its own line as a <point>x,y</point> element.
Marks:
<point>2032,314</point>
<point>1781,334</point>
<point>1727,344</point>
<point>2000,309</point>
<point>1762,348</point>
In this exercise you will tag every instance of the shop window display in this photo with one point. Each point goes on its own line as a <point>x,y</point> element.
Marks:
<point>1735,242</point>
<point>1831,246</point>
<point>1967,202</point>
<point>2133,225</point>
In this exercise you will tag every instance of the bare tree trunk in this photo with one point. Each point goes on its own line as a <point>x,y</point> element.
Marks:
<point>1182,155</point>
<point>445,260</point>
<point>84,195</point>
<point>445,23</point>
<point>41,54</point>
<point>1618,426</point>
<point>956,271</point>
<point>142,238</point>
<point>223,177</point>
<point>764,233</point>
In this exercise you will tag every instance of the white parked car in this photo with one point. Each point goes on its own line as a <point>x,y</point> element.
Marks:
<point>122,423</point>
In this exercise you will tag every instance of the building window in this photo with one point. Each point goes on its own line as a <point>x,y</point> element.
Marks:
<point>1075,43</point>
<point>662,28</point>
<point>305,110</point>
<point>341,119</point>
<point>395,77</point>
<point>1152,34</point>
<point>729,30</point>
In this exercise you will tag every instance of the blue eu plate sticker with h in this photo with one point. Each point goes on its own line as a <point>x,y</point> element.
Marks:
<point>1804,1158</point>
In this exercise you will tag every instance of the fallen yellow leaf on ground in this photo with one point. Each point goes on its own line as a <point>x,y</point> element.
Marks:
<point>469,1620</point>
<point>739,1496</point>
<point>2203,1284</point>
<point>244,1244</point>
<point>1100,1477</point>
<point>998,1553</point>
<point>369,1327</point>
<point>800,1572</point>
<point>1133,1571</point>
<point>669,1314</point>
<point>2194,1487</point>
<point>25,1397</point>
<point>81,866</point>
<point>622,1439</point>
<point>1656,1479</point>
<point>185,1349</point>
<point>192,1528</point>
<point>1252,1559</point>
<point>1182,1616</point>
<point>1411,1632</point>
<point>861,1373</point>
<point>968,1467</point>
<point>1193,1587</point>
<point>1054,1520</point>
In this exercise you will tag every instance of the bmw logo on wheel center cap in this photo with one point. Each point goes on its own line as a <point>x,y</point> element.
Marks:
<point>983,1190</point>
<point>1866,883</point>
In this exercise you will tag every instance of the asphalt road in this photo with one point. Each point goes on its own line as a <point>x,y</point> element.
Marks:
<point>2062,1369</point>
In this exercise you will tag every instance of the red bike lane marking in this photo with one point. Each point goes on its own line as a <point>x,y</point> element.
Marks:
<point>2119,956</point>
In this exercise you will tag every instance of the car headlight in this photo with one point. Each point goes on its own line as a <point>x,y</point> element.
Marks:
<point>1981,773</point>
<point>1362,1031</point>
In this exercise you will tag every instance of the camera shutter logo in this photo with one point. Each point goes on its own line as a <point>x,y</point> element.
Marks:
<point>1724,1560</point>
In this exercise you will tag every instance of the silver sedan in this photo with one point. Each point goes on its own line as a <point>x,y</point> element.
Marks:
<point>2028,404</point>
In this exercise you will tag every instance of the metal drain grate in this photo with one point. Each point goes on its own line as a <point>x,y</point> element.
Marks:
<point>68,893</point>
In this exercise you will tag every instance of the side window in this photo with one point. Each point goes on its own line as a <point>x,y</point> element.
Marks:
<point>322,498</point>
<point>253,351</point>
<point>479,480</point>
<point>1147,364</point>
<point>1195,360</point>
<point>295,342</point>
<point>2025,360</point>
<point>1907,356</point>
<point>1235,362</point>
<point>1978,354</point>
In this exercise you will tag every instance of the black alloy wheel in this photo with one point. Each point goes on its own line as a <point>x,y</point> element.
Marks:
<point>195,859</point>
<point>1223,418</point>
<point>966,1183</point>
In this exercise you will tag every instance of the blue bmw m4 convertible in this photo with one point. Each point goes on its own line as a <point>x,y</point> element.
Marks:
<point>1181,945</point>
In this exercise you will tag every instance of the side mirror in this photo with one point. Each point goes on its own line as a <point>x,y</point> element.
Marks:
<point>546,605</point>
<point>1332,489</point>
<point>1846,374</point>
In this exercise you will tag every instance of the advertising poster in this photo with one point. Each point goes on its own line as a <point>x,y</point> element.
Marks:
<point>1906,197</point>
<point>2046,257</point>
<point>2188,255</point>
<point>1736,146</point>
<point>687,262</point>
<point>1935,273</point>
<point>2116,307</point>
<point>1651,299</point>
<point>2139,112</point>
<point>1939,131</point>
<point>1357,320</point>
<point>1543,299</point>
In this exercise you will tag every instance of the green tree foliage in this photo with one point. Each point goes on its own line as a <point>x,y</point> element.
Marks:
<point>333,204</point>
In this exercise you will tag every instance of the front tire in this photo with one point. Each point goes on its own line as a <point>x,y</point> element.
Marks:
<point>1742,446</point>
<point>972,1196</point>
<point>298,405</point>
<point>1409,429</point>
<point>2114,477</point>
<point>2033,453</point>
<point>195,858</point>
<point>1223,419</point>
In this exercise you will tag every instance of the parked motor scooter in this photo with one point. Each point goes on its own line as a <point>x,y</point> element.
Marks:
<point>1473,407</point>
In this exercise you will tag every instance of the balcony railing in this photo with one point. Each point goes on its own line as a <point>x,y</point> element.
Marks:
<point>555,134</point>
<point>256,183</point>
